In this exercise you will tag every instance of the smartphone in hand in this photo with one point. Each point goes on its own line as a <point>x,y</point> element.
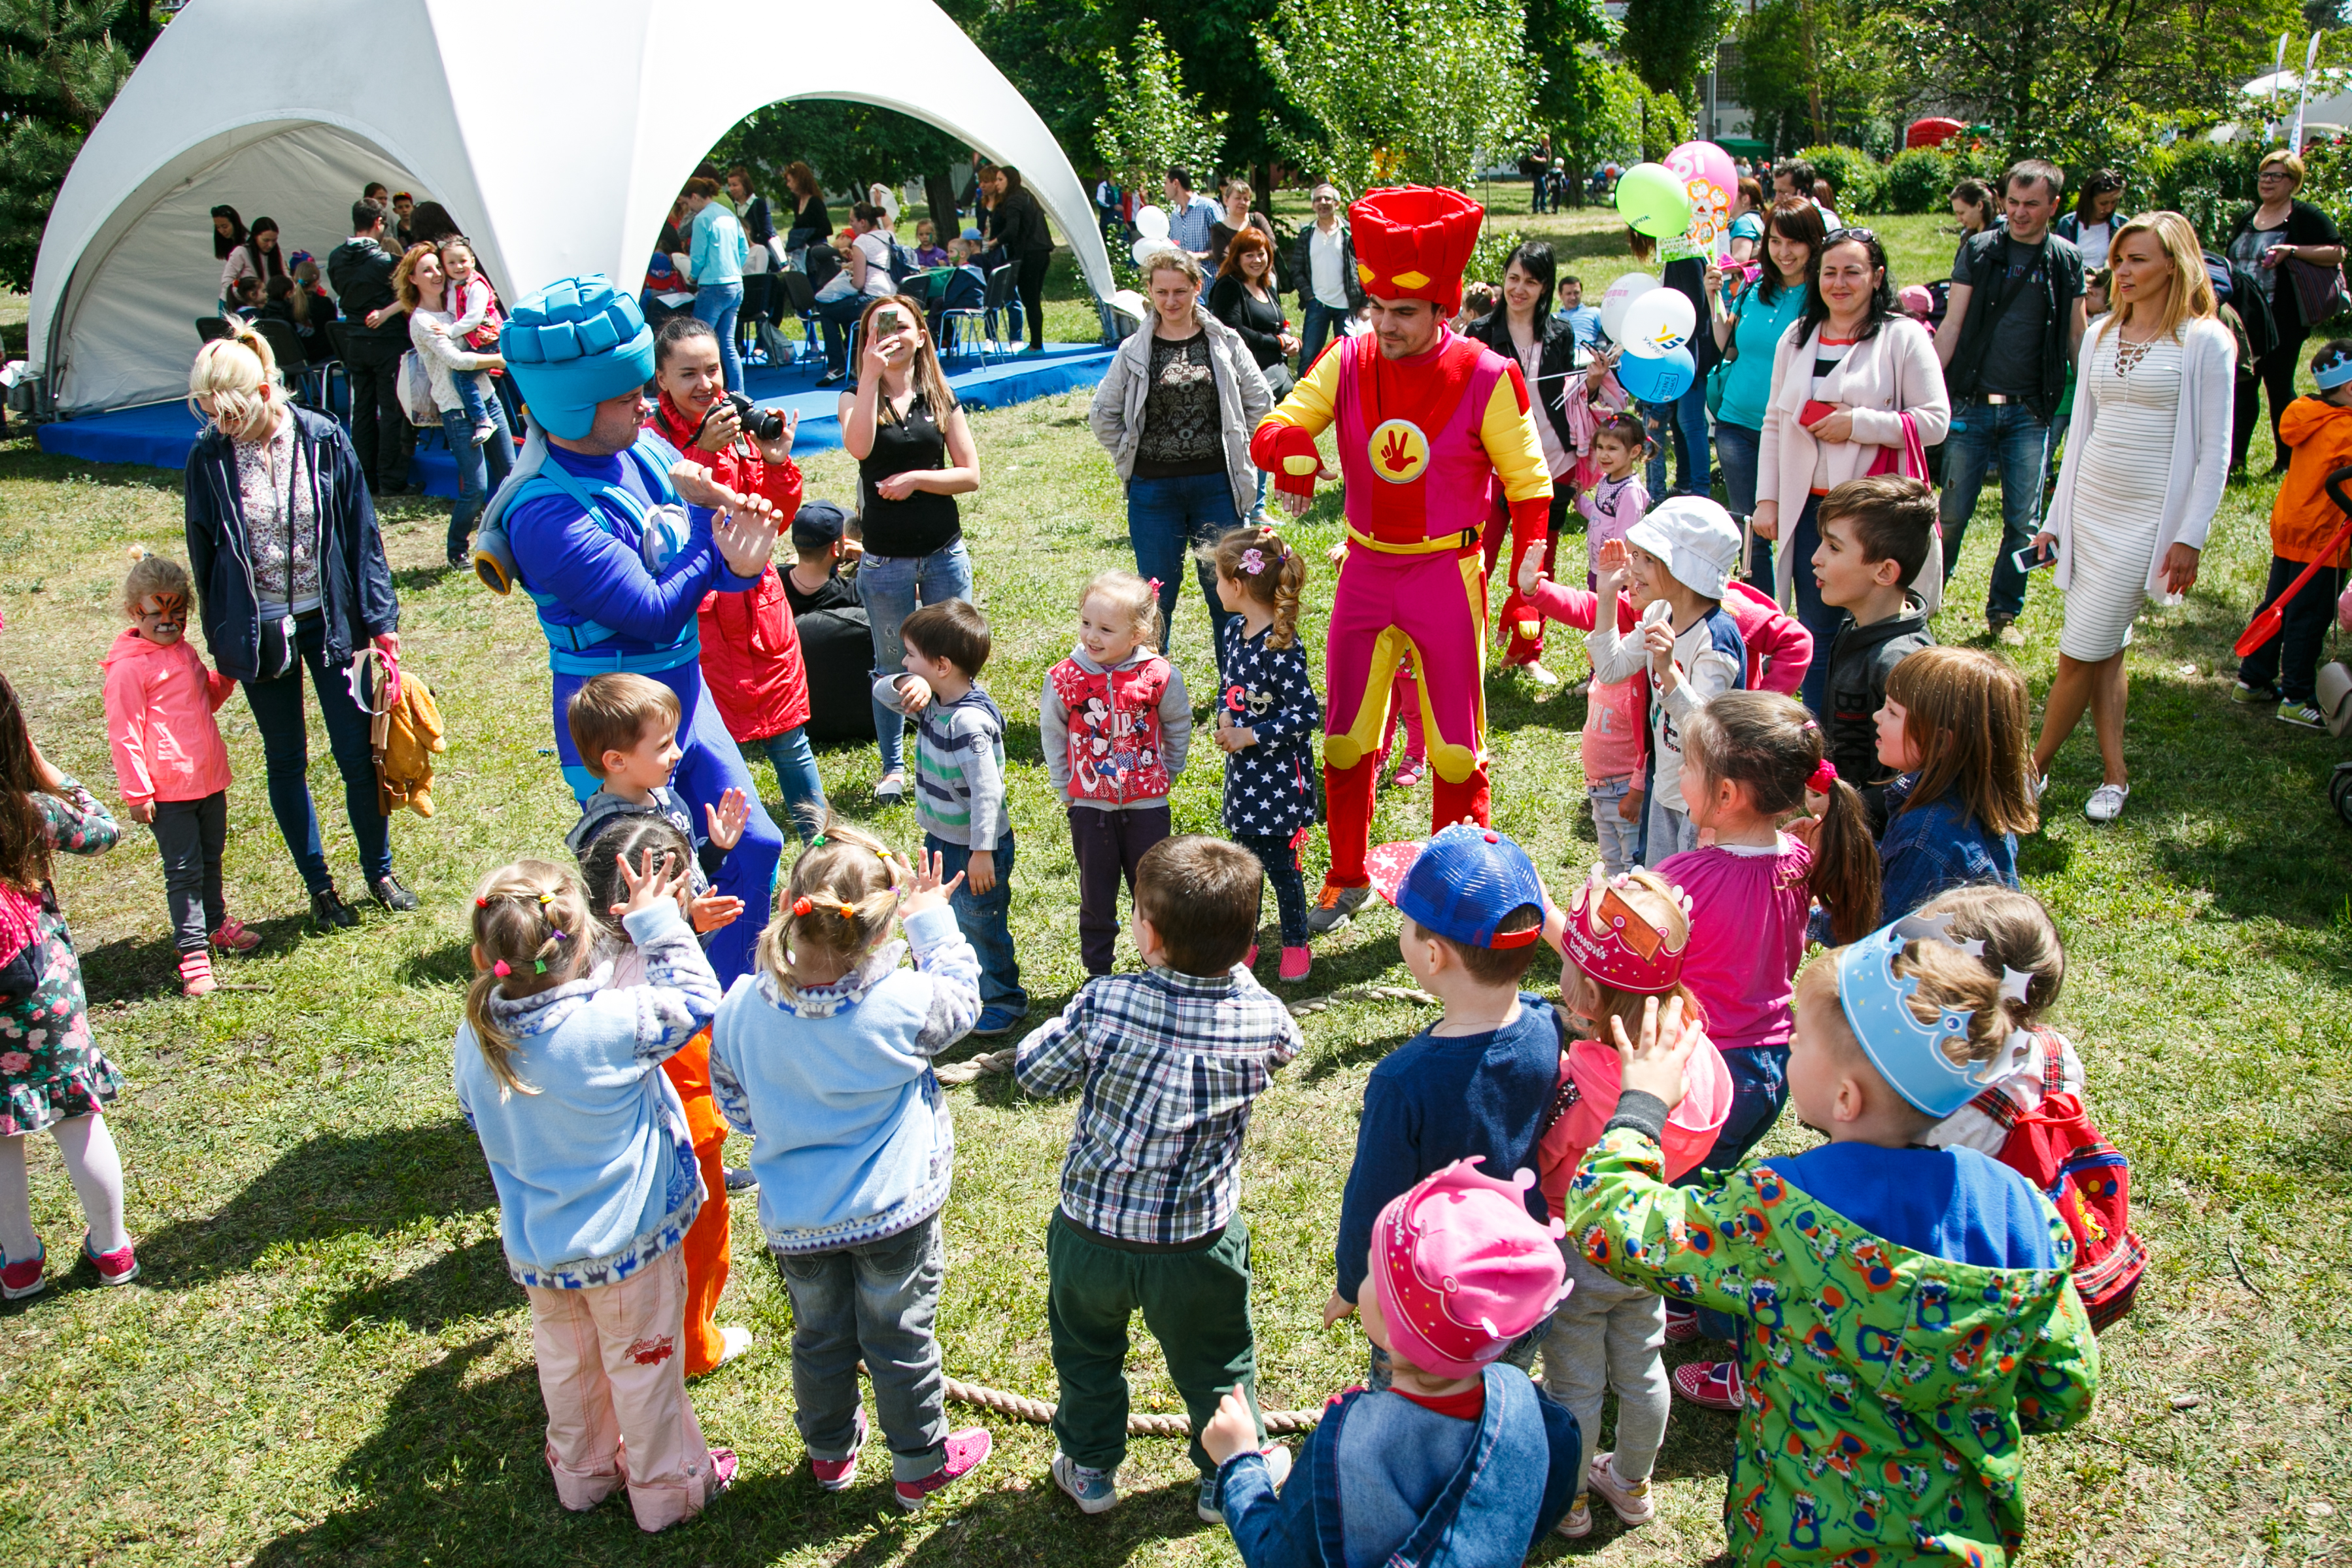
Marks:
<point>2034,558</point>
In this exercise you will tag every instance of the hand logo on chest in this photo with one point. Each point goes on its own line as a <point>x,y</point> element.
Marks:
<point>1400,452</point>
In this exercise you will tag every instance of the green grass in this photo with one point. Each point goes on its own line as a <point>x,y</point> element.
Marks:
<point>325,1361</point>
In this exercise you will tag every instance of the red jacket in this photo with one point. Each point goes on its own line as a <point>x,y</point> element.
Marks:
<point>751,654</point>
<point>1770,634</point>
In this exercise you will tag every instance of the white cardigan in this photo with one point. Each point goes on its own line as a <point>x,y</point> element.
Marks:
<point>1892,372</point>
<point>2201,448</point>
<point>444,357</point>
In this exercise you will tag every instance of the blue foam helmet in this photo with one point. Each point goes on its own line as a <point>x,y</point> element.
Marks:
<point>573,344</point>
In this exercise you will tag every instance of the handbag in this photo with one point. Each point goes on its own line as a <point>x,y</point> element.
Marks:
<point>415,387</point>
<point>1910,460</point>
<point>2320,290</point>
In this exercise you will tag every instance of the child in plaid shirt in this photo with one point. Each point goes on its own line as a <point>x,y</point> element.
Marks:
<point>1168,1062</point>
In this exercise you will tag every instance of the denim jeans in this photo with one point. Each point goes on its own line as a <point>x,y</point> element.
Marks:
<point>1681,424</point>
<point>286,753</point>
<point>1759,1087</point>
<point>1982,434</point>
<point>985,919</point>
<point>878,1300</point>
<point>836,317</point>
<point>192,836</point>
<point>469,396</point>
<point>1821,620</point>
<point>2291,659</point>
<point>1322,324</point>
<point>1165,519</point>
<point>1737,448</point>
<point>1620,840</point>
<point>718,304</point>
<point>891,587</point>
<point>796,779</point>
<point>480,469</point>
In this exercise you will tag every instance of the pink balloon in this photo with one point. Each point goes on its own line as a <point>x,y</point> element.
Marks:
<point>1704,161</point>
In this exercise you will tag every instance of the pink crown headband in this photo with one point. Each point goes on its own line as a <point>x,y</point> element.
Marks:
<point>1609,940</point>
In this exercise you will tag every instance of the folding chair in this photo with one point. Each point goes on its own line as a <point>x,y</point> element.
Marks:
<point>294,361</point>
<point>800,298</point>
<point>211,329</point>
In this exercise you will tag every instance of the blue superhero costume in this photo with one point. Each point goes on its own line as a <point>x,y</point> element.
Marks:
<point>573,530</point>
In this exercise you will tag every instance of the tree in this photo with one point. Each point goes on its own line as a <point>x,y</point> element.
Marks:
<point>1815,72</point>
<point>61,63</point>
<point>1418,91</point>
<point>1149,122</point>
<point>1671,44</point>
<point>850,146</point>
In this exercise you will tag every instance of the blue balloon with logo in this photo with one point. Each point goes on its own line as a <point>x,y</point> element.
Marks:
<point>1659,379</point>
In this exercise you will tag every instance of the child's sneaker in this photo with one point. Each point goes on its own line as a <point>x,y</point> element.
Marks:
<point>119,1267</point>
<point>836,1475</point>
<point>1093,1491</point>
<point>1335,906</point>
<point>1681,1324</point>
<point>197,974</point>
<point>1577,1522</point>
<point>733,1341</point>
<point>1540,675</point>
<point>1711,1385</point>
<point>724,1465</point>
<point>967,1451</point>
<point>23,1277</point>
<point>996,1020</point>
<point>1249,959</point>
<point>2292,711</point>
<point>1296,962</point>
<point>1277,1469</point>
<point>483,432</point>
<point>1407,773</point>
<point>1629,1500</point>
<point>234,936</point>
<point>2252,696</point>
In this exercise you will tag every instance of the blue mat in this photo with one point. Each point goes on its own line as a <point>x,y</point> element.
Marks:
<point>160,434</point>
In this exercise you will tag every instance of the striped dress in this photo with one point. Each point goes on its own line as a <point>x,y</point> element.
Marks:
<point>2120,493</point>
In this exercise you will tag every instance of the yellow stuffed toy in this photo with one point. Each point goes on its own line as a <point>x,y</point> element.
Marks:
<point>405,734</point>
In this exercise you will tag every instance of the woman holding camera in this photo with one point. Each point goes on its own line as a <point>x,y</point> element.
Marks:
<point>751,654</point>
<point>915,455</point>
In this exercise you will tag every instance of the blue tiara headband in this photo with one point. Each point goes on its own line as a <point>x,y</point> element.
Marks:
<point>2331,373</point>
<point>1907,1052</point>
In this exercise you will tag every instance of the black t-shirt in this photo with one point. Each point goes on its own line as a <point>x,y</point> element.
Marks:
<point>2020,332</point>
<point>833,593</point>
<point>1183,428</point>
<point>925,522</point>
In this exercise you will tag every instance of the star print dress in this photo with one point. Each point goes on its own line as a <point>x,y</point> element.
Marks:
<point>50,1068</point>
<point>1269,787</point>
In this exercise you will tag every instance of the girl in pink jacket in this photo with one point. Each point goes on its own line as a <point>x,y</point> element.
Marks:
<point>170,762</point>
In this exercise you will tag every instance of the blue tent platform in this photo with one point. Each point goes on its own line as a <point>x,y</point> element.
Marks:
<point>159,434</point>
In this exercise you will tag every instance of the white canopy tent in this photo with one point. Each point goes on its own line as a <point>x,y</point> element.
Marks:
<point>558,132</point>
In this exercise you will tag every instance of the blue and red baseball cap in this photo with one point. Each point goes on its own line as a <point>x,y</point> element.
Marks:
<point>1461,884</point>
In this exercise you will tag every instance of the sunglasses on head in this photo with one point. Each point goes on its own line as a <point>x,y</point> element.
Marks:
<point>1857,236</point>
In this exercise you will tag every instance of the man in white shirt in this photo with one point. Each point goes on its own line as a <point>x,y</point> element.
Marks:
<point>1329,289</point>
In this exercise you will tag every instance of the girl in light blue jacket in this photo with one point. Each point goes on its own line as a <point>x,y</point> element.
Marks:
<point>559,1074</point>
<point>824,1055</point>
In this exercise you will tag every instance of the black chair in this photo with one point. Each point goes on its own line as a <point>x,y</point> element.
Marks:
<point>800,298</point>
<point>293,361</point>
<point>211,329</point>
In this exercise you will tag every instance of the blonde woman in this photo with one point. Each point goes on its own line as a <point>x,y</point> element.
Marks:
<point>915,455</point>
<point>2286,243</point>
<point>2147,455</point>
<point>289,572</point>
<point>421,285</point>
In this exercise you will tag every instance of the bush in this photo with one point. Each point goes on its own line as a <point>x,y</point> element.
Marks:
<point>1919,180</point>
<point>1853,175</point>
<point>2206,182</point>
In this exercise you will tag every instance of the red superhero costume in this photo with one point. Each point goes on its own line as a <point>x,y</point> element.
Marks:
<point>1423,442</point>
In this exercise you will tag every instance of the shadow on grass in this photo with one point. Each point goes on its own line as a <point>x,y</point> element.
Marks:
<point>330,1185</point>
<point>451,964</point>
<point>140,969</point>
<point>470,1282</point>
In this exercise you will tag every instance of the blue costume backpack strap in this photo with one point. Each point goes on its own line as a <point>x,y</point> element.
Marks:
<point>614,509</point>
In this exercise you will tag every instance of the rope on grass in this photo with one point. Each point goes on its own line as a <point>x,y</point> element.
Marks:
<point>990,1062</point>
<point>1038,1413</point>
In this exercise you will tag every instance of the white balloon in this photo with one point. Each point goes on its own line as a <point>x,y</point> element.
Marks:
<point>1621,294</point>
<point>1657,323</point>
<point>1150,222</point>
<point>1146,247</point>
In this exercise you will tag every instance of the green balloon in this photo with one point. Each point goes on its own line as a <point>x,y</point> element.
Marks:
<point>1651,199</point>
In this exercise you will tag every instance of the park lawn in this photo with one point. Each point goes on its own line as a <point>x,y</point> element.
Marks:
<point>324,1358</point>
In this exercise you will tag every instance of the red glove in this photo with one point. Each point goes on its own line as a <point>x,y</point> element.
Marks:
<point>1288,453</point>
<point>1530,528</point>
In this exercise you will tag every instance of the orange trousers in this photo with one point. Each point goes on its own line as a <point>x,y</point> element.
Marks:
<point>706,1248</point>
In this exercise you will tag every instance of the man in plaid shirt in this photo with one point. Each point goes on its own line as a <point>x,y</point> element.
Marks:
<point>1150,1218</point>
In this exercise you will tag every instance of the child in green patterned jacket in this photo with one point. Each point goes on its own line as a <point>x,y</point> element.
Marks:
<point>1908,1313</point>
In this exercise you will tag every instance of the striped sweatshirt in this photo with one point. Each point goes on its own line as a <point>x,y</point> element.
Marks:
<point>958,765</point>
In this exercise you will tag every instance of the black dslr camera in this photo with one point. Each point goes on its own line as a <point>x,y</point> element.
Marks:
<point>760,423</point>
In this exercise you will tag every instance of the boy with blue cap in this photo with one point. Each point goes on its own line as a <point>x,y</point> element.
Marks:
<point>616,538</point>
<point>1909,1313</point>
<point>1480,1079</point>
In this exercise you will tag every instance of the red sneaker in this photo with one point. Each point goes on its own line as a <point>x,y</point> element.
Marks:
<point>1711,1385</point>
<point>22,1278</point>
<point>967,1451</point>
<point>837,1475</point>
<point>723,1465</point>
<point>1682,1324</point>
<point>1296,962</point>
<point>1249,959</point>
<point>116,1267</point>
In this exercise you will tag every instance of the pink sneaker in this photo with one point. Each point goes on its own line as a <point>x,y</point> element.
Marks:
<point>1249,959</point>
<point>1407,773</point>
<point>197,974</point>
<point>1296,962</point>
<point>1682,1324</point>
<point>1711,1385</point>
<point>117,1268</point>
<point>723,1465</point>
<point>967,1451</point>
<point>839,1474</point>
<point>22,1278</point>
<point>235,936</point>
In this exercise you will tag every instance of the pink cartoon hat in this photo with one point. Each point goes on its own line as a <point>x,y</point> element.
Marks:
<point>1460,1270</point>
<point>1611,941</point>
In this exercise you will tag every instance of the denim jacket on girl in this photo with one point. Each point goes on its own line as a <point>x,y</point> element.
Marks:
<point>1495,1487</point>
